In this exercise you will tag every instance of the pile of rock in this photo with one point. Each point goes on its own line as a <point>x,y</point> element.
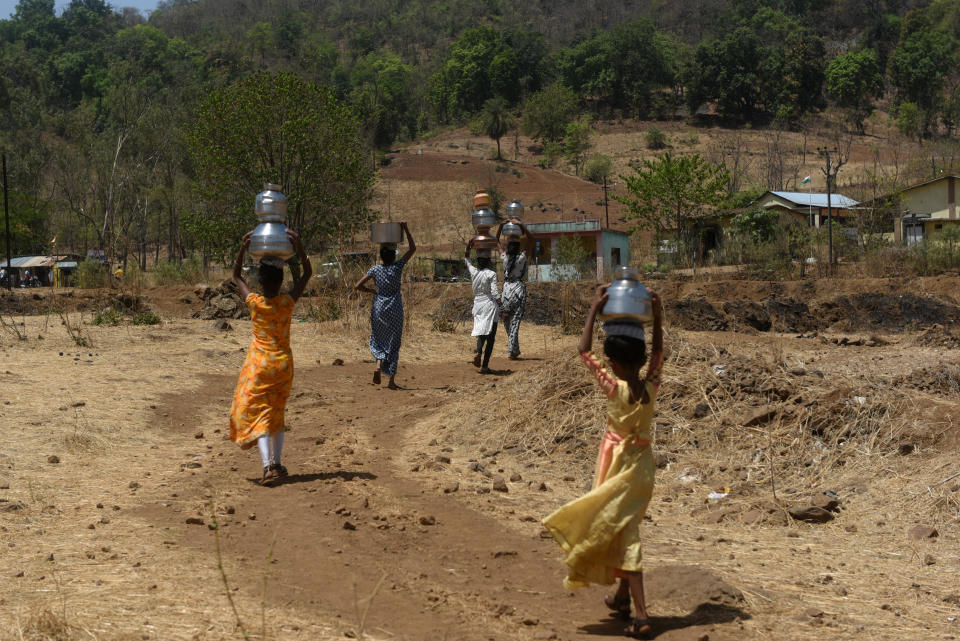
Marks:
<point>222,301</point>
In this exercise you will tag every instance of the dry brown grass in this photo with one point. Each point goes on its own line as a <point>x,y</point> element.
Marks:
<point>841,432</point>
<point>122,579</point>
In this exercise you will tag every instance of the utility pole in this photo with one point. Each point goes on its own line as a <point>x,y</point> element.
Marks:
<point>831,175</point>
<point>6,216</point>
<point>606,203</point>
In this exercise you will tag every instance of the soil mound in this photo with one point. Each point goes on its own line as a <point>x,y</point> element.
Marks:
<point>943,379</point>
<point>866,311</point>
<point>221,302</point>
<point>939,336</point>
<point>689,587</point>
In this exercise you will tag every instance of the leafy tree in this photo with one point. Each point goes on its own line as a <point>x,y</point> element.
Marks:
<point>854,80</point>
<point>576,144</point>
<point>382,95</point>
<point>504,74</point>
<point>598,168</point>
<point>497,120</point>
<point>911,122</point>
<point>771,67</point>
<point>278,128</point>
<point>759,224</point>
<point>463,83</point>
<point>621,68</point>
<point>726,72</point>
<point>672,189</point>
<point>547,113</point>
<point>920,64</point>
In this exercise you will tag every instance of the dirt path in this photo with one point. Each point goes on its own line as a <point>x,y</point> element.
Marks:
<point>387,555</point>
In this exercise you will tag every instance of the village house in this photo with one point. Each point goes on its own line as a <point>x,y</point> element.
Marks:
<point>926,210</point>
<point>607,248</point>
<point>808,208</point>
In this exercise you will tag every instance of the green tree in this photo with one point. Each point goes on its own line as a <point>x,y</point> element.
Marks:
<point>770,66</point>
<point>547,113</point>
<point>463,82</point>
<point>671,190</point>
<point>496,120</point>
<point>854,80</point>
<point>919,65</point>
<point>759,224</point>
<point>598,168</point>
<point>278,128</point>
<point>911,122</point>
<point>726,72</point>
<point>576,143</point>
<point>622,68</point>
<point>382,94</point>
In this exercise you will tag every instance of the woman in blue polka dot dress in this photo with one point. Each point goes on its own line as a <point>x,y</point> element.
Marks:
<point>386,313</point>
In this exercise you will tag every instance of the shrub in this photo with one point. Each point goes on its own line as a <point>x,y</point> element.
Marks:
<point>186,272</point>
<point>655,139</point>
<point>327,308</point>
<point>91,274</point>
<point>146,318</point>
<point>108,316</point>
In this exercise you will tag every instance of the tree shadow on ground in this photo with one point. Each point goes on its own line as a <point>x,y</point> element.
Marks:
<point>343,475</point>
<point>704,614</point>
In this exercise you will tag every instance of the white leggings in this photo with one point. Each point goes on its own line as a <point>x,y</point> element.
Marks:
<point>270,447</point>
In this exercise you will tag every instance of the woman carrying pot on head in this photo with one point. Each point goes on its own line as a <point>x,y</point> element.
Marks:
<point>486,305</point>
<point>515,283</point>
<point>386,312</point>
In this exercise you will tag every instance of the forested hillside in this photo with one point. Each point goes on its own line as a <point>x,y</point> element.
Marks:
<point>100,106</point>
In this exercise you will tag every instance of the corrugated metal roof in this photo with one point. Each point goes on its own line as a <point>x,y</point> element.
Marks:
<point>26,262</point>
<point>802,199</point>
<point>564,227</point>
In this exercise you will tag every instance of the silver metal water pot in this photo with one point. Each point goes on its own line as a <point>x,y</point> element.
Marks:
<point>628,299</point>
<point>270,236</point>
<point>483,218</point>
<point>512,230</point>
<point>515,209</point>
<point>386,233</point>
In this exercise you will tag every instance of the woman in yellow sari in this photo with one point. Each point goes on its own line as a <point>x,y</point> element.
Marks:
<point>257,414</point>
<point>600,531</point>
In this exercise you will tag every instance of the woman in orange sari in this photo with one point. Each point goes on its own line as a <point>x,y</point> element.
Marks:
<point>257,414</point>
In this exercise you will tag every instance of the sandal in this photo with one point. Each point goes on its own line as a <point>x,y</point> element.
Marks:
<point>270,476</point>
<point>620,606</point>
<point>281,471</point>
<point>376,377</point>
<point>638,628</point>
<point>476,360</point>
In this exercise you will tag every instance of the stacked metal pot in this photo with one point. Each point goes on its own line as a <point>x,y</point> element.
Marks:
<point>270,238</point>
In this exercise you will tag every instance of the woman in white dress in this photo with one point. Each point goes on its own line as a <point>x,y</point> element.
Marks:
<point>486,308</point>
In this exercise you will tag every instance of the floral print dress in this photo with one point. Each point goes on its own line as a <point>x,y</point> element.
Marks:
<point>267,374</point>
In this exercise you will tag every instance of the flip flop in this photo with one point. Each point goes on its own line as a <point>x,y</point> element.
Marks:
<point>376,377</point>
<point>620,606</point>
<point>638,628</point>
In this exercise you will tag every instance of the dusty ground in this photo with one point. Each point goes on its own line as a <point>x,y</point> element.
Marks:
<point>389,526</point>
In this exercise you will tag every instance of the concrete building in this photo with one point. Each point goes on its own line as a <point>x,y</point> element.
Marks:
<point>927,210</point>
<point>606,248</point>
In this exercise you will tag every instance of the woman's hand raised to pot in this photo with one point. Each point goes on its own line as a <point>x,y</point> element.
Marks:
<point>601,296</point>
<point>656,303</point>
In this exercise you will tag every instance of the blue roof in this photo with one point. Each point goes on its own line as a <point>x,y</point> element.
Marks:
<point>805,199</point>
